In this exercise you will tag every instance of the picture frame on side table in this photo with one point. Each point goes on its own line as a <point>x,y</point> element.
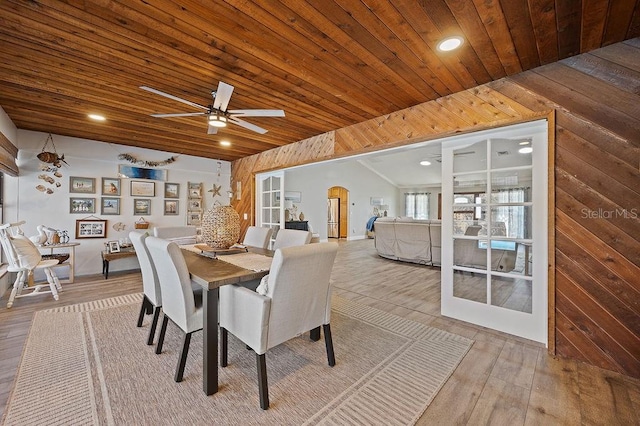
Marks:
<point>91,228</point>
<point>111,186</point>
<point>82,205</point>
<point>171,208</point>
<point>114,247</point>
<point>143,188</point>
<point>82,185</point>
<point>141,206</point>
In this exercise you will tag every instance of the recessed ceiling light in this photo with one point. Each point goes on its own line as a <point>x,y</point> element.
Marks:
<point>425,163</point>
<point>525,150</point>
<point>225,143</point>
<point>450,43</point>
<point>97,117</point>
<point>524,143</point>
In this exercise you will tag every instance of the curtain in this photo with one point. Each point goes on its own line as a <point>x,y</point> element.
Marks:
<point>416,205</point>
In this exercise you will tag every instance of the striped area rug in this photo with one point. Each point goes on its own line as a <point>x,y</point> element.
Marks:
<point>89,364</point>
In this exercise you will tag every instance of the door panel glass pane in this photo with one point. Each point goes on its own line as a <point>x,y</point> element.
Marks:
<point>470,286</point>
<point>511,293</point>
<point>473,183</point>
<point>266,215</point>
<point>470,158</point>
<point>469,253</point>
<point>503,255</point>
<point>275,199</point>
<point>511,186</point>
<point>506,153</point>
<point>266,199</point>
<point>512,221</point>
<point>266,185</point>
<point>275,216</point>
<point>524,259</point>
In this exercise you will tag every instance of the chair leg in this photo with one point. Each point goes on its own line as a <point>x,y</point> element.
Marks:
<point>52,283</point>
<point>183,357</point>
<point>263,388</point>
<point>143,310</point>
<point>328,342</point>
<point>17,284</point>
<point>154,324</point>
<point>224,339</point>
<point>163,331</point>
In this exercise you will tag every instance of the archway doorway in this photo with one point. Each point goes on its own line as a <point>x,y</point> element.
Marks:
<point>337,212</point>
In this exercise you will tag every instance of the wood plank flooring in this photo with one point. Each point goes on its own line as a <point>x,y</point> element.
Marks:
<point>503,380</point>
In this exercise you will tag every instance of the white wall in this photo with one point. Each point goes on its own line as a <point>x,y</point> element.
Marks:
<point>314,181</point>
<point>89,158</point>
<point>7,128</point>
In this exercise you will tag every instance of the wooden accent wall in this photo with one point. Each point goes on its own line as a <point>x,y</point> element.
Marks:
<point>596,98</point>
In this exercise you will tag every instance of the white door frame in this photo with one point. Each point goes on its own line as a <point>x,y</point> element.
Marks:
<point>528,325</point>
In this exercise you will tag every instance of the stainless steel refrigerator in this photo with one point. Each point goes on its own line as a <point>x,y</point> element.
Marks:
<point>333,217</point>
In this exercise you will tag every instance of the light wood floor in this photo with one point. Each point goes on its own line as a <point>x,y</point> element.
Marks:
<point>503,380</point>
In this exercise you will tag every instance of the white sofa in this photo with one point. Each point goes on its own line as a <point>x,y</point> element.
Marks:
<point>409,240</point>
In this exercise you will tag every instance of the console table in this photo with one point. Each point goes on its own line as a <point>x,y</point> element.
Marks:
<point>70,262</point>
<point>108,257</point>
<point>302,225</point>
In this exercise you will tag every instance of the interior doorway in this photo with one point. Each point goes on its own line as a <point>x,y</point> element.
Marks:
<point>337,212</point>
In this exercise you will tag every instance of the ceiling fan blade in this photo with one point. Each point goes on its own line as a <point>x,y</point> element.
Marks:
<point>249,126</point>
<point>223,95</point>
<point>256,112</point>
<point>175,98</point>
<point>212,130</point>
<point>179,114</point>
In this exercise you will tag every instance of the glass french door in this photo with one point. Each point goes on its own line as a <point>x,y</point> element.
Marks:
<point>269,201</point>
<point>494,229</point>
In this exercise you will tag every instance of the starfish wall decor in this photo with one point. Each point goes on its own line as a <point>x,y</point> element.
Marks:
<point>215,190</point>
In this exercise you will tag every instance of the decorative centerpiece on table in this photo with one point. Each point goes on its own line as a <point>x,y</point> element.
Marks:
<point>220,227</point>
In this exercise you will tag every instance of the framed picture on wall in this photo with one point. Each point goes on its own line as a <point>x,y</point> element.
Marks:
<point>111,186</point>
<point>141,206</point>
<point>143,188</point>
<point>195,190</point>
<point>171,190</point>
<point>110,206</point>
<point>82,185</point>
<point>195,204</point>
<point>82,205</point>
<point>170,207</point>
<point>91,228</point>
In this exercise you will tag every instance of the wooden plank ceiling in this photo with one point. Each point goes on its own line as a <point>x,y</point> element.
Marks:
<point>328,63</point>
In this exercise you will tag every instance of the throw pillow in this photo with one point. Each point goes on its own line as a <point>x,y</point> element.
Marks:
<point>27,252</point>
<point>263,288</point>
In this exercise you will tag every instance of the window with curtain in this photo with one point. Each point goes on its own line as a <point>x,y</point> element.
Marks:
<point>515,218</point>
<point>416,205</point>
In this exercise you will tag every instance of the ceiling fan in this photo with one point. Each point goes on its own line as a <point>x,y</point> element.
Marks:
<point>217,113</point>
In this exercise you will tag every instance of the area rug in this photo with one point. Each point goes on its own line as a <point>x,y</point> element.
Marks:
<point>89,364</point>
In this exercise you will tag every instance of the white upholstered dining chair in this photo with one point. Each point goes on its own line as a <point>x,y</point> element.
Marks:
<point>24,258</point>
<point>179,302</point>
<point>291,237</point>
<point>152,299</point>
<point>257,236</point>
<point>294,298</point>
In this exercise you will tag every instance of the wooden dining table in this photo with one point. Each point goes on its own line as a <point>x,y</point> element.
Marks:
<point>211,274</point>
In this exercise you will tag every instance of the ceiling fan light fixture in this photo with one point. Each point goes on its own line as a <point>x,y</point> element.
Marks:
<point>450,43</point>
<point>217,120</point>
